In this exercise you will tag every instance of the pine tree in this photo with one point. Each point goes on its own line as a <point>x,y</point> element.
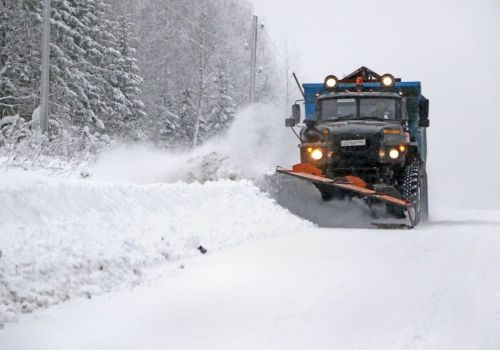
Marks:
<point>222,106</point>
<point>157,44</point>
<point>19,56</point>
<point>188,113</point>
<point>75,90</point>
<point>190,65</point>
<point>125,83</point>
<point>95,79</point>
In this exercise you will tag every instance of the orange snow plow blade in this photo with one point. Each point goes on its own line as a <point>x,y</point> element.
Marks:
<point>307,168</point>
<point>348,183</point>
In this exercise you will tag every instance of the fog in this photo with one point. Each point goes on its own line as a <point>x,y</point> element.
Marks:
<point>452,47</point>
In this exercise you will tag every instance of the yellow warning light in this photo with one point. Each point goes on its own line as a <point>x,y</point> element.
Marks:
<point>392,131</point>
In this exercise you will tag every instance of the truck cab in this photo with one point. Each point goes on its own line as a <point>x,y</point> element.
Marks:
<point>371,127</point>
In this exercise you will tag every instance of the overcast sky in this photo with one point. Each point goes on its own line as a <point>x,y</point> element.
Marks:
<point>452,47</point>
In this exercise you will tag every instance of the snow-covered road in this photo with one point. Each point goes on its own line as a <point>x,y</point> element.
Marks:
<point>72,248</point>
<point>435,287</point>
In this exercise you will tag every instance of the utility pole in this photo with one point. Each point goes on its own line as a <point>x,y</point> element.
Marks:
<point>44,109</point>
<point>253,62</point>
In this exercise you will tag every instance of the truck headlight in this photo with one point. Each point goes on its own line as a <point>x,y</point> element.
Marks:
<point>394,153</point>
<point>316,154</point>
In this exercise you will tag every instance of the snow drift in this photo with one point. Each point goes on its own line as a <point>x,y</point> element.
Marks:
<point>65,238</point>
<point>78,233</point>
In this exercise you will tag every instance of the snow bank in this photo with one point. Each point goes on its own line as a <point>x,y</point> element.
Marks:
<point>81,230</point>
<point>61,239</point>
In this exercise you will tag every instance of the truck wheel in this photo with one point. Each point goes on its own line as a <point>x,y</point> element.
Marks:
<point>411,190</point>
<point>425,197</point>
<point>395,212</point>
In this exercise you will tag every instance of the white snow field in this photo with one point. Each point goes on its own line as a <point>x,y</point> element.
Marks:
<point>435,287</point>
<point>271,278</point>
<point>279,282</point>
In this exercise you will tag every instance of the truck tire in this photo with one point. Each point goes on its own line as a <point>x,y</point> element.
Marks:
<point>411,188</point>
<point>425,197</point>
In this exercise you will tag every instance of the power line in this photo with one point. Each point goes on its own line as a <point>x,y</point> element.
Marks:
<point>187,20</point>
<point>280,56</point>
<point>213,52</point>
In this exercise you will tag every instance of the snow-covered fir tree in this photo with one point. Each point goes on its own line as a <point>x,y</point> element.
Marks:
<point>155,69</point>
<point>125,83</point>
<point>184,134</point>
<point>19,56</point>
<point>222,107</point>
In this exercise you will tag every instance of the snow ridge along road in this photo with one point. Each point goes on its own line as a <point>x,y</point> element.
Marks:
<point>66,238</point>
<point>62,236</point>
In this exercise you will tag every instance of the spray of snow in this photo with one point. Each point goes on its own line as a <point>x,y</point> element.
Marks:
<point>251,149</point>
<point>256,142</point>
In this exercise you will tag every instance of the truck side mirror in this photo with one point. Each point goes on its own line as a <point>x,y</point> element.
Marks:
<point>295,118</point>
<point>296,113</point>
<point>423,123</point>
<point>290,122</point>
<point>423,112</point>
<point>423,108</point>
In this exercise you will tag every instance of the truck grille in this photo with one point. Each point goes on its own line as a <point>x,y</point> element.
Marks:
<point>356,155</point>
<point>355,149</point>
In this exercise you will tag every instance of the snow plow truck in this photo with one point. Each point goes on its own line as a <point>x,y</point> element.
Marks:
<point>365,136</point>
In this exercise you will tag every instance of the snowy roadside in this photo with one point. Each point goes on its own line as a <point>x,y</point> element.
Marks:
<point>435,287</point>
<point>79,228</point>
<point>66,238</point>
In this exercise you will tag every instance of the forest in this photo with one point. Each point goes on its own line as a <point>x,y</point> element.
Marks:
<point>168,72</point>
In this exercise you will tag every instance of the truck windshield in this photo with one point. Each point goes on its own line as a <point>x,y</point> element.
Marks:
<point>354,108</point>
